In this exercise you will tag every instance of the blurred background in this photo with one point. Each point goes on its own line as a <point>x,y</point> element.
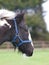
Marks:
<point>35,17</point>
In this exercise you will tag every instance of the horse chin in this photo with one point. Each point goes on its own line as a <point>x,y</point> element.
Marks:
<point>26,52</point>
<point>27,55</point>
<point>24,55</point>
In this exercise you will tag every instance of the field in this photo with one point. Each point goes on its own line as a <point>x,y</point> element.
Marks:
<point>9,57</point>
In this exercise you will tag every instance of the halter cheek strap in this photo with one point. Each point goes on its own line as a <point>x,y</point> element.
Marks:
<point>17,37</point>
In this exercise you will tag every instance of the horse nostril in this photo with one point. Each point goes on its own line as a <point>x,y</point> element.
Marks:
<point>29,53</point>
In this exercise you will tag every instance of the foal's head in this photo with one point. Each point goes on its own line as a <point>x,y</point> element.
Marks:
<point>24,34</point>
<point>26,48</point>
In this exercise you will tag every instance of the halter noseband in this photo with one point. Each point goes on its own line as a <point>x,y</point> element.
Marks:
<point>18,37</point>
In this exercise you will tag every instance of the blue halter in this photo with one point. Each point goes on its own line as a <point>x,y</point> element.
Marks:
<point>18,37</point>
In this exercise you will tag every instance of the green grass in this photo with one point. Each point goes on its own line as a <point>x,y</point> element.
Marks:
<point>9,57</point>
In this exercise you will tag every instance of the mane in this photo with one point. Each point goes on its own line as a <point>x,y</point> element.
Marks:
<point>4,13</point>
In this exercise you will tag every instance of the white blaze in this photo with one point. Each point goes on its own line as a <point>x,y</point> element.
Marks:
<point>30,39</point>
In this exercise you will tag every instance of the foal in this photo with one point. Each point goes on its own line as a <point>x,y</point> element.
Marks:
<point>9,22</point>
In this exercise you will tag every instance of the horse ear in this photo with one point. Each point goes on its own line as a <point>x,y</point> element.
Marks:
<point>23,12</point>
<point>20,16</point>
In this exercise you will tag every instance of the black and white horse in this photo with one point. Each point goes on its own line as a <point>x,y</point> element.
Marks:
<point>14,29</point>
